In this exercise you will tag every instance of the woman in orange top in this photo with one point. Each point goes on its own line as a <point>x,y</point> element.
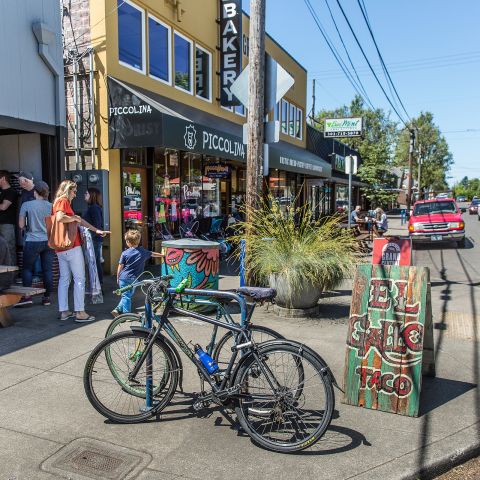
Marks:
<point>71,261</point>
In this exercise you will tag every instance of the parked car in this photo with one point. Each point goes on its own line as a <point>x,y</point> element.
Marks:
<point>342,206</point>
<point>461,198</point>
<point>435,221</point>
<point>442,195</point>
<point>473,207</point>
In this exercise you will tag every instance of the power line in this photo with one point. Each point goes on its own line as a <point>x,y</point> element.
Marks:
<point>381,58</point>
<point>368,62</point>
<point>346,51</point>
<point>335,53</point>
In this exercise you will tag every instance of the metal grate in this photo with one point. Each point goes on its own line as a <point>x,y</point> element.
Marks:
<point>435,226</point>
<point>87,458</point>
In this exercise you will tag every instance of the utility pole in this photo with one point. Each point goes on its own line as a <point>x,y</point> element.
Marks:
<point>256,105</point>
<point>313,102</point>
<point>420,161</point>
<point>410,161</point>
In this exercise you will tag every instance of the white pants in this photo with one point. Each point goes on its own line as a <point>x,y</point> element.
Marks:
<point>71,262</point>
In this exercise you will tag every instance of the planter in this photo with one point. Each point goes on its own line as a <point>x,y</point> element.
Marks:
<point>304,297</point>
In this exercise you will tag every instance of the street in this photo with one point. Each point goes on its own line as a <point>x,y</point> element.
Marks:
<point>45,413</point>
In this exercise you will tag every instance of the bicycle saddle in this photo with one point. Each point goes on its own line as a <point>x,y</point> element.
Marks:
<point>258,293</point>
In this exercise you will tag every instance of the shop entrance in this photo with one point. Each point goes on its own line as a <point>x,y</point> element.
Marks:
<point>135,203</point>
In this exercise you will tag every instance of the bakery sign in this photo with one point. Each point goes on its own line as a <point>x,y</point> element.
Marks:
<point>230,49</point>
<point>217,170</point>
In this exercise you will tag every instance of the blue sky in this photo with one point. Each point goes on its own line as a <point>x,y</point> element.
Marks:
<point>431,48</point>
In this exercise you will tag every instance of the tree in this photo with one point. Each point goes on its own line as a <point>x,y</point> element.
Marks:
<point>375,148</point>
<point>431,148</point>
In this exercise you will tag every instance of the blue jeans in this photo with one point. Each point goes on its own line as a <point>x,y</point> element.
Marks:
<point>97,247</point>
<point>31,252</point>
<point>125,304</point>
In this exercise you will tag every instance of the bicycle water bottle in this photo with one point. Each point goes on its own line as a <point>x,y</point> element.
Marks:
<point>208,362</point>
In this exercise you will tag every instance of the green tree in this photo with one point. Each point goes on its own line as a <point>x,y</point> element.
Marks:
<point>431,148</point>
<point>375,148</point>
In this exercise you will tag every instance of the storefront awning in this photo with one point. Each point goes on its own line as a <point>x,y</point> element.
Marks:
<point>140,118</point>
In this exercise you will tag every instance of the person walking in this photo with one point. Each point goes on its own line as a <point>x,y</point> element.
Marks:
<point>94,216</point>
<point>8,214</point>
<point>71,261</point>
<point>130,266</point>
<point>32,221</point>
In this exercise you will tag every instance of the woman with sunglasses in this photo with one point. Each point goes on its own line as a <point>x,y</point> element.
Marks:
<point>71,261</point>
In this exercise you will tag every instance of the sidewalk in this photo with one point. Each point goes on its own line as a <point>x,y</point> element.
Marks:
<point>45,412</point>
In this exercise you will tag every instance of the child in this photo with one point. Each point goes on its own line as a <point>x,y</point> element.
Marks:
<point>130,266</point>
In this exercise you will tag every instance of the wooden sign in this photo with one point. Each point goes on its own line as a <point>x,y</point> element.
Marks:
<point>390,338</point>
<point>392,251</point>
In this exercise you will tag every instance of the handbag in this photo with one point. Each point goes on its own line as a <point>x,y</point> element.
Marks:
<point>61,236</point>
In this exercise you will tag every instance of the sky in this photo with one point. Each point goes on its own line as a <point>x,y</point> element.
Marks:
<point>431,49</point>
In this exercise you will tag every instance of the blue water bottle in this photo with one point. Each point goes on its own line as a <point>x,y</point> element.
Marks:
<point>208,362</point>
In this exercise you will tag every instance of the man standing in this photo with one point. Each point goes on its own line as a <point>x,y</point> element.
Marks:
<point>36,241</point>
<point>8,213</point>
<point>25,180</point>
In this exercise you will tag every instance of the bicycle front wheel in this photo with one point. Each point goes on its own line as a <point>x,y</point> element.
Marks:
<point>280,409</point>
<point>113,393</point>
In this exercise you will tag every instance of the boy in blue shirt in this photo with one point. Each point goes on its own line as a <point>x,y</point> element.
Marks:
<point>130,266</point>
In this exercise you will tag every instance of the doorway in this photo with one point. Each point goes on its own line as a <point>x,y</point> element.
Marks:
<point>135,203</point>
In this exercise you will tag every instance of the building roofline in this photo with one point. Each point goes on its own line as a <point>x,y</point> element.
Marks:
<point>280,46</point>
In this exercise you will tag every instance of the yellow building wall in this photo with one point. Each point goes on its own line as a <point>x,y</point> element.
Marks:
<point>198,22</point>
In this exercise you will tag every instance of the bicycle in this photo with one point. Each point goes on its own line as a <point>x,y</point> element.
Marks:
<point>218,350</point>
<point>282,391</point>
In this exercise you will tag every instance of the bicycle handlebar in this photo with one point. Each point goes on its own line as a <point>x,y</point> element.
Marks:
<point>147,281</point>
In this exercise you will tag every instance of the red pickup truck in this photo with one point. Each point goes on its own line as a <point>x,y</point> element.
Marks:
<point>437,220</point>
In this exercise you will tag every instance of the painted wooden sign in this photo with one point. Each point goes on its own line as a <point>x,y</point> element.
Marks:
<point>390,338</point>
<point>392,251</point>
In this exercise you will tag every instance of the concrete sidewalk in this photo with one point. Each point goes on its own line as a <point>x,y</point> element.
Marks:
<point>45,413</point>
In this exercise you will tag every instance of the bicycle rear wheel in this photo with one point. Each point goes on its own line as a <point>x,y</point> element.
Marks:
<point>223,349</point>
<point>123,322</point>
<point>107,384</point>
<point>280,409</point>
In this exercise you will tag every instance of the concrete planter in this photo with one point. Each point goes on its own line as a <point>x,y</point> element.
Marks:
<point>304,298</point>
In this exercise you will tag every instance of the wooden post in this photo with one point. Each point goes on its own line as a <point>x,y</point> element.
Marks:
<point>256,114</point>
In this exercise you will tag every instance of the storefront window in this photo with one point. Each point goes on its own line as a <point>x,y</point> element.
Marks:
<point>203,62</point>
<point>282,188</point>
<point>133,156</point>
<point>211,198</point>
<point>239,191</point>
<point>131,35</point>
<point>341,197</point>
<point>166,191</point>
<point>191,186</point>
<point>183,62</point>
<point>159,49</point>
<point>299,123</point>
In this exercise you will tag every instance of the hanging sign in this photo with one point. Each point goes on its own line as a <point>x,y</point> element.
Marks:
<point>230,49</point>
<point>392,251</point>
<point>390,338</point>
<point>217,170</point>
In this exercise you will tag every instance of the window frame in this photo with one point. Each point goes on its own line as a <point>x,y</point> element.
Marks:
<point>244,114</point>
<point>144,49</point>
<point>300,124</point>
<point>210,56</point>
<point>292,107</point>
<point>170,57</point>
<point>284,102</point>
<point>192,69</point>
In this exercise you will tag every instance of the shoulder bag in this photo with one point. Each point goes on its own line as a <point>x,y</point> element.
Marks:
<point>61,236</point>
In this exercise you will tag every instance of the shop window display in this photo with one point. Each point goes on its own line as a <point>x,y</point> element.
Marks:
<point>282,187</point>
<point>166,191</point>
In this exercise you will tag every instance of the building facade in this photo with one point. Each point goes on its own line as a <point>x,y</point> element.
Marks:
<point>165,138</point>
<point>32,124</point>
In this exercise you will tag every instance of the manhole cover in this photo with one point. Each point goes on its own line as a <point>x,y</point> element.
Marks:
<point>87,458</point>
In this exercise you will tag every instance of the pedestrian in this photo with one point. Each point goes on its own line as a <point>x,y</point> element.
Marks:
<point>94,216</point>
<point>8,214</point>
<point>71,261</point>
<point>130,266</point>
<point>31,221</point>
<point>25,180</point>
<point>381,222</point>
